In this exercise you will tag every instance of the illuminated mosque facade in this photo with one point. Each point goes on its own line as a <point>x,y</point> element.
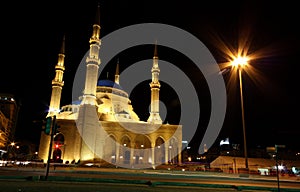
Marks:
<point>102,126</point>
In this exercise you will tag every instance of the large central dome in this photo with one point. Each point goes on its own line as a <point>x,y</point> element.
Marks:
<point>109,83</point>
<point>108,86</point>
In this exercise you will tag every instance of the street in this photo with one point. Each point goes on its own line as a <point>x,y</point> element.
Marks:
<point>112,179</point>
<point>44,186</point>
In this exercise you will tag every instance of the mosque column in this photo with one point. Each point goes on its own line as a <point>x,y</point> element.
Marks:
<point>117,153</point>
<point>166,151</point>
<point>179,153</point>
<point>131,160</point>
<point>153,154</point>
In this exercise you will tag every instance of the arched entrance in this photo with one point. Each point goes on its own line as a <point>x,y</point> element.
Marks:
<point>142,150</point>
<point>160,151</point>
<point>125,150</point>
<point>57,156</point>
<point>58,143</point>
<point>110,149</point>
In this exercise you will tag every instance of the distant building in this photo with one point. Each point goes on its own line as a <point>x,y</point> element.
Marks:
<point>101,126</point>
<point>4,130</point>
<point>9,110</point>
<point>236,164</point>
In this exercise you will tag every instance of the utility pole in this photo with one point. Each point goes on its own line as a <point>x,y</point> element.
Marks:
<point>50,145</point>
<point>277,171</point>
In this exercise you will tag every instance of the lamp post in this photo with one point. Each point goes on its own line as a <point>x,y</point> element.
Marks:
<point>240,63</point>
<point>10,149</point>
<point>52,127</point>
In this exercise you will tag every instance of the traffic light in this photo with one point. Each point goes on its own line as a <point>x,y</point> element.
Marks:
<point>55,128</point>
<point>48,125</point>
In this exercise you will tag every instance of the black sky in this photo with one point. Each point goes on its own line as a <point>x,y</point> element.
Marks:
<point>32,35</point>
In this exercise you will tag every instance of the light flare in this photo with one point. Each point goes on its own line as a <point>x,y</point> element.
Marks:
<point>234,55</point>
<point>240,62</point>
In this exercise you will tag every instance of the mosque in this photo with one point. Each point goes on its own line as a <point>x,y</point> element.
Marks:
<point>101,126</point>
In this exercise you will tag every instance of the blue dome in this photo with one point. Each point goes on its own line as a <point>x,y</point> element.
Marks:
<point>77,102</point>
<point>109,83</point>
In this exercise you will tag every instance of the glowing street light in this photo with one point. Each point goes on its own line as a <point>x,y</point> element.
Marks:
<point>240,63</point>
<point>237,57</point>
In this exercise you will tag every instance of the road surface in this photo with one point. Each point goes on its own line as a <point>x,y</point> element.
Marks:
<point>102,179</point>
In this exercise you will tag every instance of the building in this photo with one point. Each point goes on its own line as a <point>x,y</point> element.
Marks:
<point>102,127</point>
<point>9,110</point>
<point>233,164</point>
<point>4,131</point>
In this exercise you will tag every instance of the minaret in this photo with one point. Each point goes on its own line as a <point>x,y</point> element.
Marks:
<point>88,119</point>
<point>92,64</point>
<point>155,86</point>
<point>57,82</point>
<point>117,74</point>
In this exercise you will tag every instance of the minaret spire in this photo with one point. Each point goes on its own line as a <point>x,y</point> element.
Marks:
<point>155,86</point>
<point>117,74</point>
<point>92,63</point>
<point>155,50</point>
<point>62,49</point>
<point>57,82</point>
<point>97,20</point>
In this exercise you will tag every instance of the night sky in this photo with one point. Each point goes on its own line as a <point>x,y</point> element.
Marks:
<point>32,35</point>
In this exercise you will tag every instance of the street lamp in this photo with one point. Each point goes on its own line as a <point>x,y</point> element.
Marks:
<point>240,63</point>
<point>12,144</point>
<point>10,148</point>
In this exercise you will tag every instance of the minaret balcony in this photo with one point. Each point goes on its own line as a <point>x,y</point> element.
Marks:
<point>59,67</point>
<point>94,40</point>
<point>155,70</point>
<point>91,61</point>
<point>155,85</point>
<point>57,83</point>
